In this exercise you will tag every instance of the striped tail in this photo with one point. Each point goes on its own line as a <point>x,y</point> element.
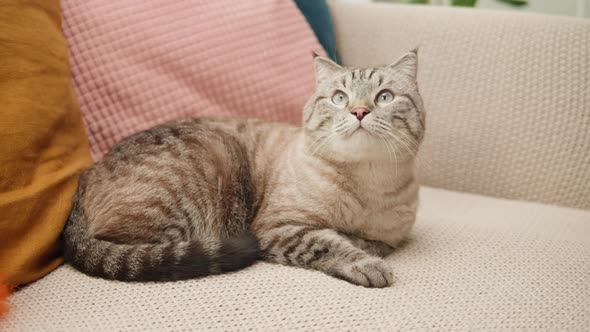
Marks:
<point>153,261</point>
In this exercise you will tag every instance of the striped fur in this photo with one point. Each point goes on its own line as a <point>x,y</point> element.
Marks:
<point>203,196</point>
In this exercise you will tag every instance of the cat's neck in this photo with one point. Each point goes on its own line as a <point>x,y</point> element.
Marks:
<point>382,173</point>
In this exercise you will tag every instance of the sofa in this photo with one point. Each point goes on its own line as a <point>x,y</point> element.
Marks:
<point>502,238</point>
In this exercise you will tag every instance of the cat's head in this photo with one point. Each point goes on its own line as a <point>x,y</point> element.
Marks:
<point>365,114</point>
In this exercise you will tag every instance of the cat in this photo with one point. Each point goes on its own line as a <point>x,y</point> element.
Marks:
<point>196,197</point>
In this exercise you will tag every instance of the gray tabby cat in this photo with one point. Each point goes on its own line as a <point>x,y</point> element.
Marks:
<point>203,196</point>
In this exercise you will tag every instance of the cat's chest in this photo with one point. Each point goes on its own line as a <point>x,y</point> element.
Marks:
<point>379,210</point>
<point>389,223</point>
<point>372,209</point>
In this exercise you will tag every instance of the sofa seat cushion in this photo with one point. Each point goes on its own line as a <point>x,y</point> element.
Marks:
<point>472,263</point>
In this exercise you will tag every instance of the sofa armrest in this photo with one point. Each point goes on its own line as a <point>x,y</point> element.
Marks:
<point>507,94</point>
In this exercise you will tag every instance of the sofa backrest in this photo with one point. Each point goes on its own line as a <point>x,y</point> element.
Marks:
<point>507,95</point>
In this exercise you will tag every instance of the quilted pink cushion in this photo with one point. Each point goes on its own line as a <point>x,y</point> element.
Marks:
<point>137,63</point>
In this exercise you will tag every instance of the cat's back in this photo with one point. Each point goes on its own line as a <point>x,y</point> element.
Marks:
<point>180,157</point>
<point>263,141</point>
<point>192,136</point>
<point>188,154</point>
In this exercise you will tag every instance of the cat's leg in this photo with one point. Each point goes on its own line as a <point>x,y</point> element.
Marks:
<point>372,247</point>
<point>325,250</point>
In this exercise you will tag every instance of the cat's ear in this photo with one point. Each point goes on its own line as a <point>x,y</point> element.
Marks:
<point>324,68</point>
<point>407,64</point>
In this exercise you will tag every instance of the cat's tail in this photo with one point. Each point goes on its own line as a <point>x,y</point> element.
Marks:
<point>154,261</point>
<point>160,262</point>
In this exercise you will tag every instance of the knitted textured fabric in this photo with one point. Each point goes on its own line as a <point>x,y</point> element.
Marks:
<point>473,263</point>
<point>507,95</point>
<point>137,63</point>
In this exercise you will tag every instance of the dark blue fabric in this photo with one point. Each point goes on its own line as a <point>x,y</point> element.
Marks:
<point>317,14</point>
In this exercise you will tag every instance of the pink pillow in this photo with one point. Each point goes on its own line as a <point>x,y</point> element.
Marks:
<point>137,63</point>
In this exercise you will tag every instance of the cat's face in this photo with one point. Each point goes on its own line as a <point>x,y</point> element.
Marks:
<point>365,114</point>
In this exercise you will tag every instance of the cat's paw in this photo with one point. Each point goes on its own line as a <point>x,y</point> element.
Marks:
<point>380,249</point>
<point>371,247</point>
<point>368,272</point>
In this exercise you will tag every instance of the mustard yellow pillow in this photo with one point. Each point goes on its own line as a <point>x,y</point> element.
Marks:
<point>43,146</point>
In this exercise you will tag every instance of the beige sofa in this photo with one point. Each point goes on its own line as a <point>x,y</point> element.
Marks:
<point>504,244</point>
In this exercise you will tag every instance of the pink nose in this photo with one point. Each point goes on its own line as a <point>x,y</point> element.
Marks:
<point>360,112</point>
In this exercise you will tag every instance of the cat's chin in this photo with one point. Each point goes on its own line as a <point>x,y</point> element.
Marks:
<point>359,146</point>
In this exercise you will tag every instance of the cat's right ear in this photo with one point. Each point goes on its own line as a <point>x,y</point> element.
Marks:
<point>324,68</point>
<point>407,64</point>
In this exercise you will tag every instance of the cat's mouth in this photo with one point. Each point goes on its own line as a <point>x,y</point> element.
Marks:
<point>360,130</point>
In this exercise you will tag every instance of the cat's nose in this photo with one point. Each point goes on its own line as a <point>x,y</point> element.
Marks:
<point>360,113</point>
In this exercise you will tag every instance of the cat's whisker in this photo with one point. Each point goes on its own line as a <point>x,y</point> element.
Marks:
<point>404,143</point>
<point>382,122</point>
<point>391,147</point>
<point>408,144</point>
<point>403,139</point>
<point>409,140</point>
<point>389,154</point>
<point>382,138</point>
<point>413,152</point>
<point>316,143</point>
<point>324,143</point>
<point>313,144</point>
<point>340,125</point>
<point>389,130</point>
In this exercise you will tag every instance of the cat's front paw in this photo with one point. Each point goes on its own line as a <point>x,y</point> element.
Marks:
<point>368,272</point>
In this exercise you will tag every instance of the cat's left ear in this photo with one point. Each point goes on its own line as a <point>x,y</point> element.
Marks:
<point>324,68</point>
<point>407,64</point>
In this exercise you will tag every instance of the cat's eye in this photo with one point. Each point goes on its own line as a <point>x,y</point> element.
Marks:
<point>339,98</point>
<point>384,97</point>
